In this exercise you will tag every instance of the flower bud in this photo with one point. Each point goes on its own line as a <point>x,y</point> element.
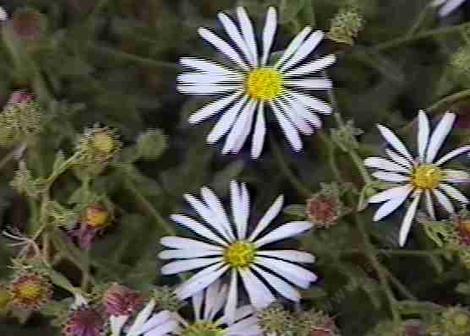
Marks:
<point>97,146</point>
<point>30,290</point>
<point>84,320</point>
<point>119,300</point>
<point>346,25</point>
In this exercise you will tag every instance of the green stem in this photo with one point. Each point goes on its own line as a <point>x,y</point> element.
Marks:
<point>410,39</point>
<point>446,102</point>
<point>419,21</point>
<point>285,170</point>
<point>417,253</point>
<point>7,158</point>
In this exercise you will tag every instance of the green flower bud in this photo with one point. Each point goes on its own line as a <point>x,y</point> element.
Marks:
<point>346,25</point>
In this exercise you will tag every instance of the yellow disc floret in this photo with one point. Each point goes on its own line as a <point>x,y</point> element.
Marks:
<point>264,84</point>
<point>427,176</point>
<point>240,254</point>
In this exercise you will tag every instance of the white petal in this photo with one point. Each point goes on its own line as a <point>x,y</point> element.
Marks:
<point>450,6</point>
<point>241,140</point>
<point>164,329</point>
<point>303,112</point>
<point>439,135</point>
<point>226,121</point>
<point>213,108</point>
<point>408,219</point>
<point>223,47</point>
<point>390,206</point>
<point>116,324</point>
<point>213,293</point>
<point>236,36</point>
<point>288,129</point>
<point>289,255</point>
<point>399,159</point>
<point>310,84</point>
<point>393,140</point>
<point>454,193</point>
<point>213,202</point>
<point>248,33</point>
<point>268,217</point>
<point>423,134</point>
<point>232,299</point>
<point>139,321</point>
<point>456,176</point>
<point>260,296</point>
<point>310,102</point>
<point>207,89</point>
<point>239,127</point>
<point>155,321</point>
<point>296,119</point>
<point>200,281</point>
<point>293,46</point>
<point>240,204</point>
<point>429,204</point>
<point>304,50</point>
<point>284,231</point>
<point>281,286</point>
<point>198,228</point>
<point>312,67</point>
<point>207,66</point>
<point>246,327</point>
<point>187,253</point>
<point>180,266</point>
<point>384,164</point>
<point>187,243</point>
<point>259,133</point>
<point>444,201</point>
<point>453,154</point>
<point>390,177</point>
<point>197,78</point>
<point>291,272</point>
<point>269,32</point>
<point>197,300</point>
<point>401,191</point>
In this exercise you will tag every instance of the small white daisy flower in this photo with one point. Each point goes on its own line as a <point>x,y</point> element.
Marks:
<point>251,83</point>
<point>228,248</point>
<point>208,306</point>
<point>419,177</point>
<point>447,6</point>
<point>146,323</point>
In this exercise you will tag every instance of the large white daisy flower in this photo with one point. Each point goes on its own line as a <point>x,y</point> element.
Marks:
<point>229,248</point>
<point>207,320</point>
<point>146,323</point>
<point>251,82</point>
<point>418,177</point>
<point>447,6</point>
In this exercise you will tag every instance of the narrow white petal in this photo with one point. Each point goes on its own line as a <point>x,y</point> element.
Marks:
<point>389,206</point>
<point>213,293</point>
<point>293,46</point>
<point>240,203</point>
<point>284,231</point>
<point>187,253</point>
<point>245,327</point>
<point>453,154</point>
<point>384,164</point>
<point>399,159</point>
<point>226,121</point>
<point>214,203</point>
<point>408,219</point>
<point>281,286</point>
<point>241,140</point>
<point>164,329</point>
<point>395,142</point>
<point>200,281</point>
<point>449,7</point>
<point>288,129</point>
<point>454,193</point>
<point>390,177</point>
<point>155,321</point>
<point>312,67</point>
<point>223,47</point>
<point>239,126</point>
<point>187,243</point>
<point>444,201</point>
<point>213,108</point>
<point>310,84</point>
<point>423,134</point>
<point>259,133</point>
<point>207,66</point>
<point>248,33</point>
<point>297,120</point>
<point>429,204</point>
<point>198,228</point>
<point>260,296</point>
<point>207,89</point>
<point>208,79</point>
<point>236,36</point>
<point>180,266</point>
<point>232,299</point>
<point>143,315</point>
<point>197,300</point>
<point>456,176</point>
<point>304,50</point>
<point>439,135</point>
<point>289,255</point>
<point>291,272</point>
<point>117,323</point>
<point>310,102</point>
<point>269,32</point>
<point>303,112</point>
<point>268,217</point>
<point>400,192</point>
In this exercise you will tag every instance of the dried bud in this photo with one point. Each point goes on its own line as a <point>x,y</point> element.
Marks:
<point>119,300</point>
<point>325,207</point>
<point>28,24</point>
<point>315,323</point>
<point>346,25</point>
<point>30,290</point>
<point>97,146</point>
<point>94,219</point>
<point>21,119</point>
<point>84,321</point>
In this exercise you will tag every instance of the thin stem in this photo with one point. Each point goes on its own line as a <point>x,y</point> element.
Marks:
<point>284,167</point>
<point>446,102</point>
<point>419,21</point>
<point>7,158</point>
<point>417,253</point>
<point>399,285</point>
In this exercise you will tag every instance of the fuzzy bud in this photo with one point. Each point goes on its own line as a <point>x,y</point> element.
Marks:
<point>97,146</point>
<point>346,25</point>
<point>276,320</point>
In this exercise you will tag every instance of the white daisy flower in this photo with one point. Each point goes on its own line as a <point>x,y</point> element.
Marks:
<point>251,83</point>
<point>146,323</point>
<point>447,6</point>
<point>419,177</point>
<point>229,248</point>
<point>207,307</point>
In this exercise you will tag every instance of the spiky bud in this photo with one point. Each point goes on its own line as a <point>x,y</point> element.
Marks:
<point>275,320</point>
<point>166,298</point>
<point>30,290</point>
<point>97,146</point>
<point>346,26</point>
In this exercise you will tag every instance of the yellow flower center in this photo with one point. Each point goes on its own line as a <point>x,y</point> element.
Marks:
<point>427,176</point>
<point>103,142</point>
<point>264,84</point>
<point>29,291</point>
<point>203,328</point>
<point>240,254</point>
<point>96,217</point>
